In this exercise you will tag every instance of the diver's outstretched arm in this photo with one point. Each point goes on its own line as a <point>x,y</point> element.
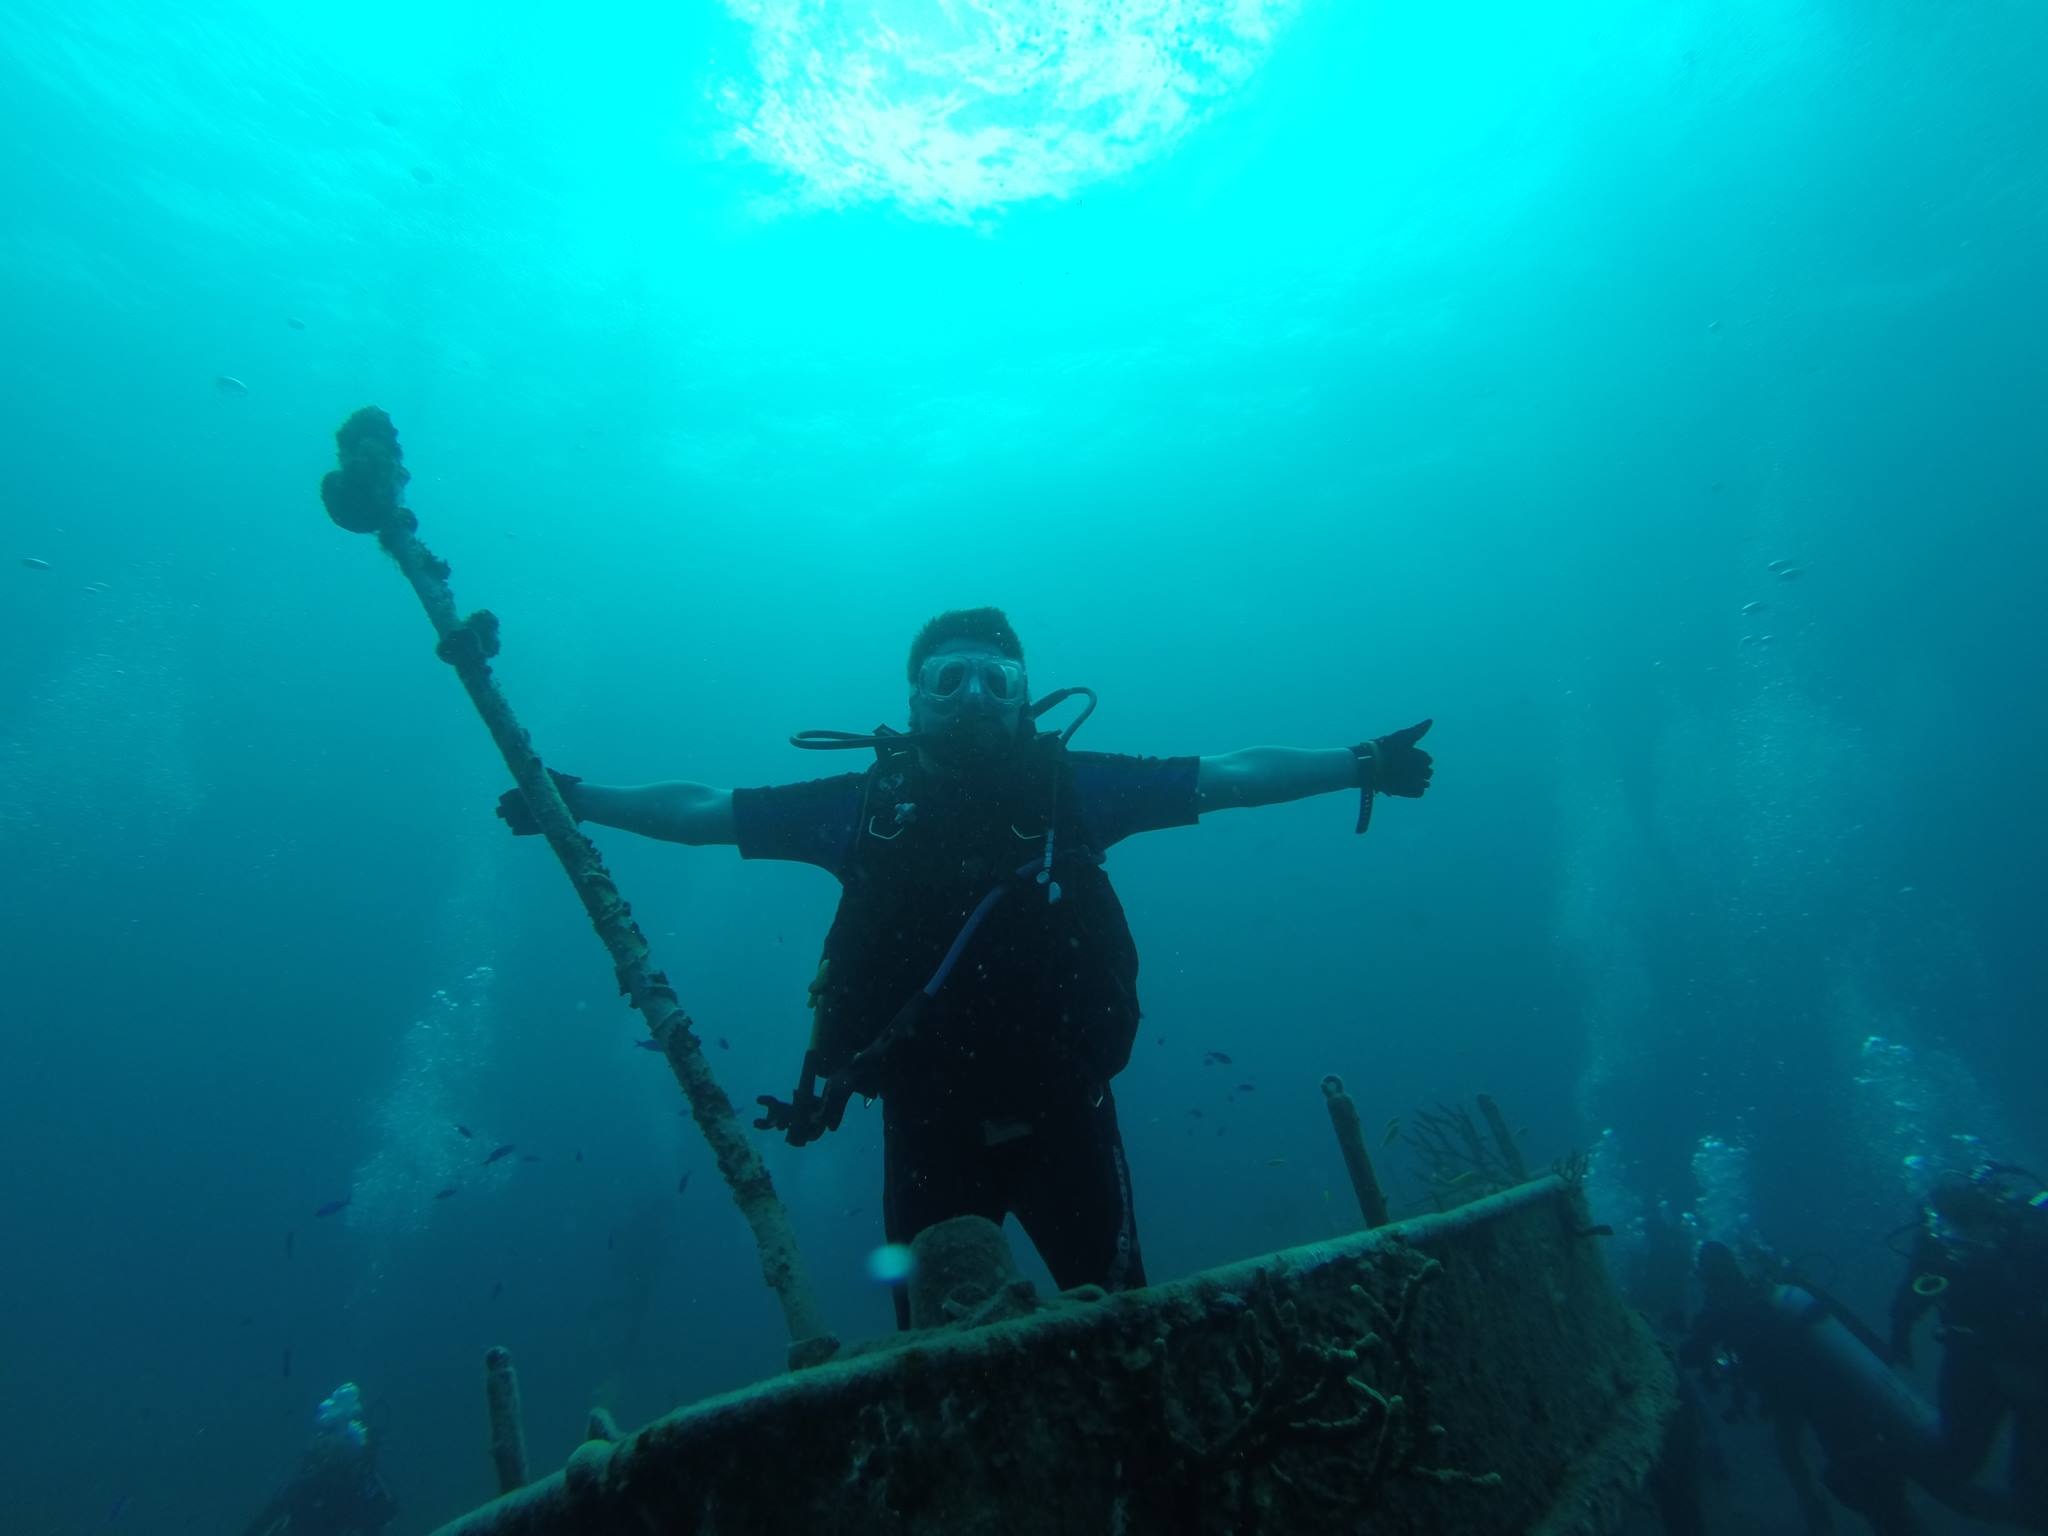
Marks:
<point>675,813</point>
<point>695,814</point>
<point>1273,776</point>
<point>1387,765</point>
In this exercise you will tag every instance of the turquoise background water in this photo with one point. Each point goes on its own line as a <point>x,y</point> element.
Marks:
<point>1288,371</point>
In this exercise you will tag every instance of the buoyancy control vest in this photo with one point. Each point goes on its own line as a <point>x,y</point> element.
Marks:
<point>1042,1002</point>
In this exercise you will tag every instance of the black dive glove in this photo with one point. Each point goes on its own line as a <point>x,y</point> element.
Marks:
<point>1392,765</point>
<point>518,815</point>
<point>812,1111</point>
<point>809,1113</point>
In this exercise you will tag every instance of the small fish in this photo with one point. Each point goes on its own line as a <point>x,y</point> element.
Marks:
<point>332,1206</point>
<point>1244,1087</point>
<point>610,1242</point>
<point>295,322</point>
<point>1276,1162</point>
<point>35,564</point>
<point>1757,607</point>
<point>682,1184</point>
<point>97,587</point>
<point>724,1044</point>
<point>228,384</point>
<point>449,1193</point>
<point>1777,565</point>
<point>1196,1113</point>
<point>287,1364</point>
<point>120,1508</point>
<point>497,1290</point>
<point>423,176</point>
<point>1393,1132</point>
<point>504,1151</point>
<point>1792,573</point>
<point>579,1154</point>
<point>1215,1059</point>
<point>647,1045</point>
<point>465,1132</point>
<point>291,1242</point>
<point>529,1157</point>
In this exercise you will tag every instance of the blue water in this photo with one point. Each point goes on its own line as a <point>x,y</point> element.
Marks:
<point>1290,372</point>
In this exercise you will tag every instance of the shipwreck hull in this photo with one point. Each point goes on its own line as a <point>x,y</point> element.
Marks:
<point>1473,1372</point>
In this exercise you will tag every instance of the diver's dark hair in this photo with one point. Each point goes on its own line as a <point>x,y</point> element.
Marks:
<point>990,625</point>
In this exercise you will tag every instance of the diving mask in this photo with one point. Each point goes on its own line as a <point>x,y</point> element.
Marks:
<point>950,681</point>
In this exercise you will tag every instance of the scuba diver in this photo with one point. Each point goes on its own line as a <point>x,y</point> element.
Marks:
<point>1980,1259</point>
<point>979,976</point>
<point>336,1490</point>
<point>1808,1362</point>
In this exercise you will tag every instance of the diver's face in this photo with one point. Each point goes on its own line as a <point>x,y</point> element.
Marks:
<point>971,696</point>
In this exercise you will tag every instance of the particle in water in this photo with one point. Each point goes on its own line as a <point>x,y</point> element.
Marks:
<point>891,1264</point>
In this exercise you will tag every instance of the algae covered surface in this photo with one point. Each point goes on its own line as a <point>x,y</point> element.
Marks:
<point>1473,1371</point>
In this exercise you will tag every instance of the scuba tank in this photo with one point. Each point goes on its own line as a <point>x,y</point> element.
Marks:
<point>1846,1364</point>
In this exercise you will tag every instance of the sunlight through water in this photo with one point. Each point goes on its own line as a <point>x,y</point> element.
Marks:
<point>956,108</point>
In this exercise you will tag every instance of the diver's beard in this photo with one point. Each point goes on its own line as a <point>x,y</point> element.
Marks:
<point>971,745</point>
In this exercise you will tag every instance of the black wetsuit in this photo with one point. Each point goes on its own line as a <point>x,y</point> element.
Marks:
<point>1000,1104</point>
<point>1993,1302</point>
<point>1061,1172</point>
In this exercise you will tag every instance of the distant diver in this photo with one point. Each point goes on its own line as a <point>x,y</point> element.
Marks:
<point>979,976</point>
<point>1980,1262</point>
<point>335,1491</point>
<point>1807,1363</point>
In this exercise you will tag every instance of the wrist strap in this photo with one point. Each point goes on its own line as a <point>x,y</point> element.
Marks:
<point>1367,756</point>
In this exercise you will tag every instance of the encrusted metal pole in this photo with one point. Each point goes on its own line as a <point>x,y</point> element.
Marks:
<point>1510,1154</point>
<point>1372,1202</point>
<point>363,496</point>
<point>508,1421</point>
